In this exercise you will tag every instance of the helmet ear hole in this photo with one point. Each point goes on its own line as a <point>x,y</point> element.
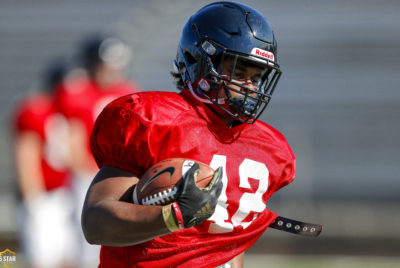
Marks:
<point>190,58</point>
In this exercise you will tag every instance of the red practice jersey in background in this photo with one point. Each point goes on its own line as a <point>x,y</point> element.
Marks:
<point>137,131</point>
<point>81,99</point>
<point>37,114</point>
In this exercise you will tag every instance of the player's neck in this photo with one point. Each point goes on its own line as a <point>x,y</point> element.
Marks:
<point>231,123</point>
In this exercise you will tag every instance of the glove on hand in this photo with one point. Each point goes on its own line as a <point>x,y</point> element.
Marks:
<point>193,205</point>
<point>198,204</point>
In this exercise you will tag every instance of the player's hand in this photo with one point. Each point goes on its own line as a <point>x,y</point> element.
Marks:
<point>196,204</point>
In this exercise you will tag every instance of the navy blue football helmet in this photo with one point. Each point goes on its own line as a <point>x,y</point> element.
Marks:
<point>107,49</point>
<point>221,31</point>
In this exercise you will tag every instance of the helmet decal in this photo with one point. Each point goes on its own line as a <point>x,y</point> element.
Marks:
<point>263,53</point>
<point>204,85</point>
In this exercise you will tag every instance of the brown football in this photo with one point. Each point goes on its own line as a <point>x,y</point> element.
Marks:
<point>158,186</point>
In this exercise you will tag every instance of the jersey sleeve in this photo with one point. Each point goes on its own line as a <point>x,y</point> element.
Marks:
<point>289,169</point>
<point>285,159</point>
<point>30,116</point>
<point>124,137</point>
<point>25,120</point>
<point>288,173</point>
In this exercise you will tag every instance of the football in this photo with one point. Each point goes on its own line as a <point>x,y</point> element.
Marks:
<point>159,185</point>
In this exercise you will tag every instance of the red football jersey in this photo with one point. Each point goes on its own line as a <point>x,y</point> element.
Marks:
<point>39,115</point>
<point>80,98</point>
<point>137,131</point>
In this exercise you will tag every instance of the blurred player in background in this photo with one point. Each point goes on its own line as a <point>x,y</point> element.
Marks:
<point>226,74</point>
<point>41,159</point>
<point>81,98</point>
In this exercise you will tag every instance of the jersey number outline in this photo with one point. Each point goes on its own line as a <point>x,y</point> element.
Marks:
<point>220,222</point>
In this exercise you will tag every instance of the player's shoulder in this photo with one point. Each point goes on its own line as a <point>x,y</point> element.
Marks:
<point>32,111</point>
<point>37,103</point>
<point>271,134</point>
<point>264,127</point>
<point>149,98</point>
<point>151,103</point>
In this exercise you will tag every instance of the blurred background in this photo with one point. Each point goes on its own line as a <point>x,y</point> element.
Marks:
<point>337,103</point>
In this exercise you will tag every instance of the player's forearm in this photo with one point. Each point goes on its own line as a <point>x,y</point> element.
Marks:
<point>28,165</point>
<point>117,223</point>
<point>238,261</point>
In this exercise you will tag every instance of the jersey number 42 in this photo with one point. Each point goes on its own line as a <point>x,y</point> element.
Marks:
<point>223,221</point>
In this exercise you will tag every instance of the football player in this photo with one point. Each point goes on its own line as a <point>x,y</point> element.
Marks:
<point>226,71</point>
<point>81,98</point>
<point>89,89</point>
<point>41,160</point>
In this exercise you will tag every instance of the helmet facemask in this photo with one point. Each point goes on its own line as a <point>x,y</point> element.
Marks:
<point>239,84</point>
